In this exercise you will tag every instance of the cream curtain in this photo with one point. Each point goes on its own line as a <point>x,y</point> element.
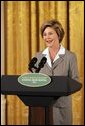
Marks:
<point>22,30</point>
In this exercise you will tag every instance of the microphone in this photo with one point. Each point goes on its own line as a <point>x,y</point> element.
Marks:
<point>32,64</point>
<point>41,64</point>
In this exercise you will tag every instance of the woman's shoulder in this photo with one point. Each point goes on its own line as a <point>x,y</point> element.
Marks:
<point>39,55</point>
<point>70,54</point>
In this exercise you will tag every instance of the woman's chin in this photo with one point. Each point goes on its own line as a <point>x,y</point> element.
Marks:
<point>49,45</point>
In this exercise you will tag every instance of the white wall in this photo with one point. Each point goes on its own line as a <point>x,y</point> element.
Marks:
<point>3,100</point>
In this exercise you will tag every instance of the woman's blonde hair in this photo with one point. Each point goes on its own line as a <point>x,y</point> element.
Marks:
<point>56,25</point>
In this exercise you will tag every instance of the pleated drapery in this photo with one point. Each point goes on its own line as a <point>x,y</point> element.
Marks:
<point>23,20</point>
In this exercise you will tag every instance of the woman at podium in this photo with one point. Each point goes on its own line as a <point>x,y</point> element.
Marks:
<point>60,62</point>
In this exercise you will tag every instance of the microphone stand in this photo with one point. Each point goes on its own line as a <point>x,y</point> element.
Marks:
<point>30,68</point>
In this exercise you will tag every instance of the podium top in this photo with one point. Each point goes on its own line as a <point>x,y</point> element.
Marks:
<point>59,86</point>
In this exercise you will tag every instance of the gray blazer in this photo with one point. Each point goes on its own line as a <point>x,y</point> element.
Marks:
<point>66,65</point>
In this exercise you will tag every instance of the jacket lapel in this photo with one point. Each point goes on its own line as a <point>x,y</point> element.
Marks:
<point>58,61</point>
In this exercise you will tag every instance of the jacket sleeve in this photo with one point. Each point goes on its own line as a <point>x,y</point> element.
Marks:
<point>73,68</point>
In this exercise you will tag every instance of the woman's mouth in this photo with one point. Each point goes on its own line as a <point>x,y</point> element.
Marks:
<point>49,41</point>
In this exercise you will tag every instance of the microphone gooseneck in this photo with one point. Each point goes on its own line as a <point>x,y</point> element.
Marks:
<point>41,64</point>
<point>32,64</point>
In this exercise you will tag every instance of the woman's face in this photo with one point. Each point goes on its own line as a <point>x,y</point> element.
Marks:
<point>50,37</point>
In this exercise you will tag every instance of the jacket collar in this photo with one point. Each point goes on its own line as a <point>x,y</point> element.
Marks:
<point>59,55</point>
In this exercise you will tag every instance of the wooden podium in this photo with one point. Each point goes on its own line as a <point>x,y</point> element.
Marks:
<point>39,96</point>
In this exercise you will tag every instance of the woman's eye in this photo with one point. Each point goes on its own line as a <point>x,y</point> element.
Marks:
<point>50,33</point>
<point>44,34</point>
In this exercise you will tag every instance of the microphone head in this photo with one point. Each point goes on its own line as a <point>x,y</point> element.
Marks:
<point>32,62</point>
<point>42,62</point>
